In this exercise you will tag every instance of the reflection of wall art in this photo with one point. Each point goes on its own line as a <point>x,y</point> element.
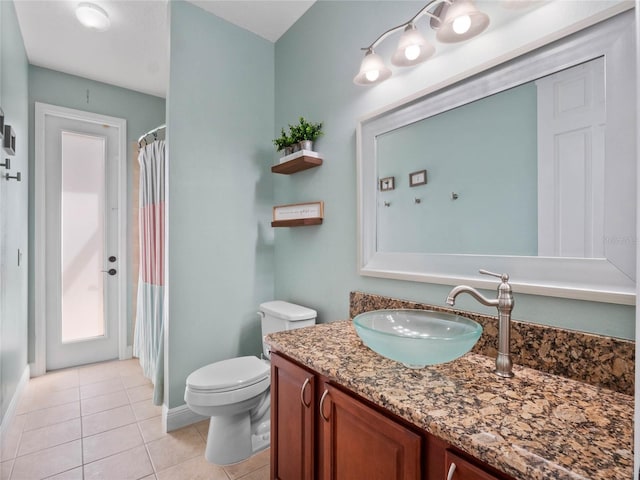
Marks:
<point>9,141</point>
<point>387,183</point>
<point>1,123</point>
<point>418,178</point>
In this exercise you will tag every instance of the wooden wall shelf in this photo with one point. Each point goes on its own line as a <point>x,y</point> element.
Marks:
<point>296,165</point>
<point>299,222</point>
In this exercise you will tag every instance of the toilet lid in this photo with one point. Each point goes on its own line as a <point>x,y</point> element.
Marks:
<point>228,374</point>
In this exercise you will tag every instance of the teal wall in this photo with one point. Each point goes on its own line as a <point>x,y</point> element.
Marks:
<point>315,62</point>
<point>142,113</point>
<point>13,209</point>
<point>220,114</point>
<point>469,150</point>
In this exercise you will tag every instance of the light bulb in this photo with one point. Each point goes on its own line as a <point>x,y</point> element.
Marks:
<point>372,75</point>
<point>462,24</point>
<point>412,49</point>
<point>412,52</point>
<point>372,70</point>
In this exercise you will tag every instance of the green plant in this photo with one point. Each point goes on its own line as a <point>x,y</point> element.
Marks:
<point>283,141</point>
<point>305,130</point>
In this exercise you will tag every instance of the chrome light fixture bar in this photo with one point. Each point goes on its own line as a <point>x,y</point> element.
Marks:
<point>454,21</point>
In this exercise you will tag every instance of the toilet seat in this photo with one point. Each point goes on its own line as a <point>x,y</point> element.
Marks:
<point>228,381</point>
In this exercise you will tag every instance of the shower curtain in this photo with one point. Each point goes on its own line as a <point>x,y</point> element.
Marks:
<point>148,343</point>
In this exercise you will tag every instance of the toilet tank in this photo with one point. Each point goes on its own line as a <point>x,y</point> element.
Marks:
<point>278,316</point>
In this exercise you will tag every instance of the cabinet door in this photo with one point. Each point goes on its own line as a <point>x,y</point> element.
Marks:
<point>292,420</point>
<point>360,443</point>
<point>458,468</point>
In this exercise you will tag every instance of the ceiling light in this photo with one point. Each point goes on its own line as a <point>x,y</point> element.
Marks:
<point>92,16</point>
<point>462,21</point>
<point>412,49</point>
<point>454,21</point>
<point>372,70</point>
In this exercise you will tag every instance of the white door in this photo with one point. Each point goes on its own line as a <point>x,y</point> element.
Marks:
<point>571,152</point>
<point>82,231</point>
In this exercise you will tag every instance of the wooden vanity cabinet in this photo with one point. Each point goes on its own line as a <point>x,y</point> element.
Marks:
<point>320,431</point>
<point>360,442</point>
<point>293,411</point>
<point>458,468</point>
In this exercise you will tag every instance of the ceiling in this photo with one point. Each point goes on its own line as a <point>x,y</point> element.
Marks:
<point>133,53</point>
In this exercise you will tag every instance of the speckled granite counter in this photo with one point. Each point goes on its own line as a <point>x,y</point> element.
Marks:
<point>533,426</point>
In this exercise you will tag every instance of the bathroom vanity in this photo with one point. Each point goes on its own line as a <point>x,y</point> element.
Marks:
<point>340,411</point>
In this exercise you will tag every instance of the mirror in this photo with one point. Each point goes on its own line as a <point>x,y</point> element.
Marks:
<point>528,168</point>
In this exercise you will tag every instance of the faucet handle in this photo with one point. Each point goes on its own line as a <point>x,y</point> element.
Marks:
<point>502,276</point>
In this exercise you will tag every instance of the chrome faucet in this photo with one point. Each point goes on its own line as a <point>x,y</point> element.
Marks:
<point>504,303</point>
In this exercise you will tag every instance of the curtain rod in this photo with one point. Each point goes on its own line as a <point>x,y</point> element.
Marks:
<point>153,132</point>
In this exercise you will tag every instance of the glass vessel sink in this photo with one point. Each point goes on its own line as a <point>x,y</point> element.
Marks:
<point>417,337</point>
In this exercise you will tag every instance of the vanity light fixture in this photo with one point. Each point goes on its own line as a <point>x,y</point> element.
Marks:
<point>92,16</point>
<point>413,48</point>
<point>372,69</point>
<point>461,21</point>
<point>454,21</point>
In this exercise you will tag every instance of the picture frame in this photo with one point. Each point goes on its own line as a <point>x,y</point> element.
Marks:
<point>418,178</point>
<point>298,211</point>
<point>9,140</point>
<point>387,183</point>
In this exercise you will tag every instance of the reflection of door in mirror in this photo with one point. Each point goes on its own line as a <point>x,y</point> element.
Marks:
<point>571,133</point>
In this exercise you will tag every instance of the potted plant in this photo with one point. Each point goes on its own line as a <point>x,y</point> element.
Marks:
<point>305,133</point>
<point>284,143</point>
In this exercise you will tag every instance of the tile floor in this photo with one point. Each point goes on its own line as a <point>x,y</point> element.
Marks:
<point>98,422</point>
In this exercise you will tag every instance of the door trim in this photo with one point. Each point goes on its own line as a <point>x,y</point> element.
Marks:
<point>42,110</point>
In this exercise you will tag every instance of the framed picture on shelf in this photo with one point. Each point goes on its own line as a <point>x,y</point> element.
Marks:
<point>418,178</point>
<point>298,211</point>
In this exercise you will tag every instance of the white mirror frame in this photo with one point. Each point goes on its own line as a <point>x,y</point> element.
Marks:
<point>577,278</point>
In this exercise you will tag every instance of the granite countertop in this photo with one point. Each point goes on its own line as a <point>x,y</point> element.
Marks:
<point>532,426</point>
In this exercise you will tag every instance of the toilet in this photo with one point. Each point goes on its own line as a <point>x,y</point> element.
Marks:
<point>235,392</point>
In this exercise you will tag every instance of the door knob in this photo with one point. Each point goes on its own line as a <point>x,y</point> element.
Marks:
<point>111,271</point>
<point>112,258</point>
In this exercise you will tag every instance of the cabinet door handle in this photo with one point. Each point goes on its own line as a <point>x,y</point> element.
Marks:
<point>304,386</point>
<point>324,395</point>
<point>452,469</point>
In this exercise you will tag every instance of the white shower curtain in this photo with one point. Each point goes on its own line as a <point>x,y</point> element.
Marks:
<point>148,343</point>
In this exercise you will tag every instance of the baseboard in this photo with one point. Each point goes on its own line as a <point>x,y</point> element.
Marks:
<point>34,371</point>
<point>178,417</point>
<point>9,416</point>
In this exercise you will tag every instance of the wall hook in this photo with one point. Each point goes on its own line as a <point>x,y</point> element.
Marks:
<point>454,196</point>
<point>417,200</point>
<point>17,177</point>
<point>387,204</point>
<point>6,164</point>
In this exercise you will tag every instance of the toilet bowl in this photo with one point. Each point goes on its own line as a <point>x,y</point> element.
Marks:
<point>235,392</point>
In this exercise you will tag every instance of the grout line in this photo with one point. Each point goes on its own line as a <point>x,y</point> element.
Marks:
<point>81,428</point>
<point>137,421</point>
<point>65,471</point>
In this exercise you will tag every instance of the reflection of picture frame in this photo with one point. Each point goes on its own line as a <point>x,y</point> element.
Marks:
<point>418,178</point>
<point>387,183</point>
<point>9,141</point>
